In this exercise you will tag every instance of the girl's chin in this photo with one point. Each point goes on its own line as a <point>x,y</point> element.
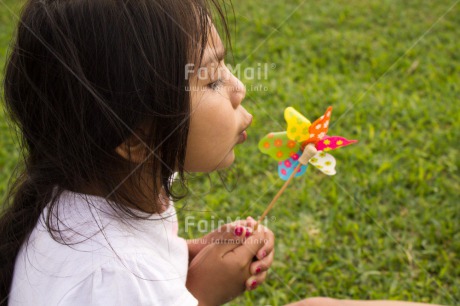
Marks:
<point>224,162</point>
<point>227,161</point>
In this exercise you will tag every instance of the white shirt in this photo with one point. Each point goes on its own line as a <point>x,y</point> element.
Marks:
<point>132,262</point>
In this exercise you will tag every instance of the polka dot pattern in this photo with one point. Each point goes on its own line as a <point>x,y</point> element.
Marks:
<point>319,128</point>
<point>279,146</point>
<point>330,143</point>
<point>286,147</point>
<point>297,125</point>
<point>324,162</point>
<point>286,167</point>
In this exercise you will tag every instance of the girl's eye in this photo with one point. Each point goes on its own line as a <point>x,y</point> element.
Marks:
<point>215,85</point>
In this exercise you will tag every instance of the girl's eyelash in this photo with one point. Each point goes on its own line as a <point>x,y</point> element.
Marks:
<point>215,85</point>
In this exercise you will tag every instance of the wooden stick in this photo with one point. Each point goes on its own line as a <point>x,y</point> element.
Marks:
<point>280,192</point>
<point>307,154</point>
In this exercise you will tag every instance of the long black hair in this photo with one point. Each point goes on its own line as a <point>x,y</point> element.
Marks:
<point>81,76</point>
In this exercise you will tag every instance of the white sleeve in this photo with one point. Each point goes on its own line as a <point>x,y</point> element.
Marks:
<point>131,283</point>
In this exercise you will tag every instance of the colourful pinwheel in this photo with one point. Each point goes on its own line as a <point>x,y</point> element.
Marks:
<point>286,147</point>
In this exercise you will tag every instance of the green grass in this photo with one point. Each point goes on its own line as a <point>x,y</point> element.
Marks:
<point>387,225</point>
<point>9,152</point>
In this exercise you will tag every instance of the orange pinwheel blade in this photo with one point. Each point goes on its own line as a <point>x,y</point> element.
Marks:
<point>319,128</point>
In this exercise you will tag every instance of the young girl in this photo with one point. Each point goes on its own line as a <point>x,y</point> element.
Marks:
<point>112,98</point>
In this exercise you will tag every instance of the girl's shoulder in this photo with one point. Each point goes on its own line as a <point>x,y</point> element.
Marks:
<point>94,246</point>
<point>83,224</point>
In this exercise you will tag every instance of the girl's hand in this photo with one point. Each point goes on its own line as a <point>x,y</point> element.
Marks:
<point>264,257</point>
<point>196,245</point>
<point>219,272</point>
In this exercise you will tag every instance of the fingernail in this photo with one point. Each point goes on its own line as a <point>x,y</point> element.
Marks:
<point>239,231</point>
<point>264,254</point>
<point>253,285</point>
<point>258,270</point>
<point>248,232</point>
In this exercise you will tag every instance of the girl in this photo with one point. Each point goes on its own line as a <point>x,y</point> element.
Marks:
<point>112,98</point>
<point>98,91</point>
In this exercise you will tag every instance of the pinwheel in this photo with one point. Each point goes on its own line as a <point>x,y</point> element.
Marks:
<point>302,143</point>
<point>286,147</point>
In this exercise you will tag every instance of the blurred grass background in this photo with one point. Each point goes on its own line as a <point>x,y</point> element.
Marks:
<point>387,225</point>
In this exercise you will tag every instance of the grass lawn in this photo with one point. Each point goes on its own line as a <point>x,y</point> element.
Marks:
<point>387,225</point>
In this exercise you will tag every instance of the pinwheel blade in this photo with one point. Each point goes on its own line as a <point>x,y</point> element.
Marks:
<point>324,162</point>
<point>278,145</point>
<point>318,129</point>
<point>330,143</point>
<point>297,125</point>
<point>286,167</point>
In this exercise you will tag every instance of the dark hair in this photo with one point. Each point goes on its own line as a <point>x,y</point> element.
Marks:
<point>80,77</point>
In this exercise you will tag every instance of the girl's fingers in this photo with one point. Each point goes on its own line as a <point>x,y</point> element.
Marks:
<point>264,251</point>
<point>257,267</point>
<point>268,246</point>
<point>241,223</point>
<point>250,246</point>
<point>251,222</point>
<point>232,237</point>
<point>240,236</point>
<point>254,281</point>
<point>261,265</point>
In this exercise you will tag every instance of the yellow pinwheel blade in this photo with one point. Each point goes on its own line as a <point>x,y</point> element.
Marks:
<point>297,125</point>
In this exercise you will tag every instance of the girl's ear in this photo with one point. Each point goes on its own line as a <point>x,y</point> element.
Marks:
<point>135,146</point>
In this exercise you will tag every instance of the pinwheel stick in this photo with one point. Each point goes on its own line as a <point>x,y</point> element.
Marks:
<point>307,154</point>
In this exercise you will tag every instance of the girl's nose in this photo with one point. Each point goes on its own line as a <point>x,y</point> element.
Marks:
<point>237,91</point>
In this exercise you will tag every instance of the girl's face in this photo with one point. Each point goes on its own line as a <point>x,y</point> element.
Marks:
<point>218,120</point>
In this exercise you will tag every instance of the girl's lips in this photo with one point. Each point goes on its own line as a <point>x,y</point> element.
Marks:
<point>243,137</point>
